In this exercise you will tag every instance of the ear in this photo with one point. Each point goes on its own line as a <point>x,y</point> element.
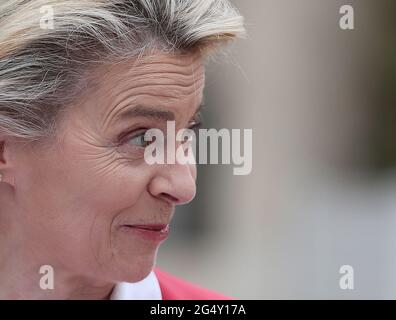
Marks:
<point>5,163</point>
<point>2,159</point>
<point>2,143</point>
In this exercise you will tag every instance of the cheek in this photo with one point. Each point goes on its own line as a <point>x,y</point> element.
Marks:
<point>75,197</point>
<point>100,178</point>
<point>107,187</point>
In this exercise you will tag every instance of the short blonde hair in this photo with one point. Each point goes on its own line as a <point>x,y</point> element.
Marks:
<point>41,69</point>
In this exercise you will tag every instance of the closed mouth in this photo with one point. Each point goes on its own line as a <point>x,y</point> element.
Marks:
<point>152,232</point>
<point>149,227</point>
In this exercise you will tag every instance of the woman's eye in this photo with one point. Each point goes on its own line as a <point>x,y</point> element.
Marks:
<point>196,123</point>
<point>139,141</point>
<point>195,126</point>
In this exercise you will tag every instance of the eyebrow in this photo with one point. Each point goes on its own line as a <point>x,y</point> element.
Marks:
<point>149,112</point>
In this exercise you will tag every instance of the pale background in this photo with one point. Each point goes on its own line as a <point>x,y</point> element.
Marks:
<point>320,101</point>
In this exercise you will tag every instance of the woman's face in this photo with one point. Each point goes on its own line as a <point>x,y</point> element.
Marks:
<point>74,200</point>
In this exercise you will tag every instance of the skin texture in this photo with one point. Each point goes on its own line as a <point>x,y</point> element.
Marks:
<point>64,204</point>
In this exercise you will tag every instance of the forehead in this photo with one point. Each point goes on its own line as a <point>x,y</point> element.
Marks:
<point>172,82</point>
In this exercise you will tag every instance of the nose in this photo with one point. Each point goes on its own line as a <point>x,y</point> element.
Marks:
<point>174,183</point>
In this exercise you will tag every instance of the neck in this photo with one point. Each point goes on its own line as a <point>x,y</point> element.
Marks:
<point>21,277</point>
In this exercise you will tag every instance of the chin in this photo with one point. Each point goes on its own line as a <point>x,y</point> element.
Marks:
<point>134,269</point>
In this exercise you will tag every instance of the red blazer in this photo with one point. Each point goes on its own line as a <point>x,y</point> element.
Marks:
<point>173,288</point>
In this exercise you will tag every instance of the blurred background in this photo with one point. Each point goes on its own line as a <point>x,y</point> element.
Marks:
<point>321,103</point>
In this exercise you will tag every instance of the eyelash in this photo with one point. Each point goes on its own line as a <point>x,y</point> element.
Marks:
<point>195,125</point>
<point>124,138</point>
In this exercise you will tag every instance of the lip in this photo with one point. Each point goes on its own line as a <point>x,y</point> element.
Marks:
<point>153,232</point>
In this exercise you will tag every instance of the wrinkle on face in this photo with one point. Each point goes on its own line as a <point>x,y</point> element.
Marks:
<point>160,80</point>
<point>168,83</point>
<point>90,186</point>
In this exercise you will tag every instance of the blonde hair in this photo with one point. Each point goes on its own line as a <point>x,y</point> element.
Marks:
<point>42,69</point>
